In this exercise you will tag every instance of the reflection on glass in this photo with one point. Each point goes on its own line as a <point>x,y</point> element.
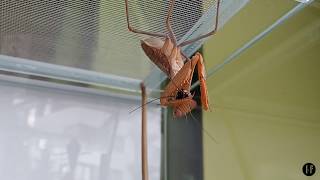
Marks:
<point>52,135</point>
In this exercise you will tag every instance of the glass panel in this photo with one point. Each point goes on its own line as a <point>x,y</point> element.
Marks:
<point>66,135</point>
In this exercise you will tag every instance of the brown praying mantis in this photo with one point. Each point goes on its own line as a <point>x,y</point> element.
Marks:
<point>164,51</point>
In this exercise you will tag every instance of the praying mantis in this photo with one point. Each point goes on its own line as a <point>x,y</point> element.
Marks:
<point>170,59</point>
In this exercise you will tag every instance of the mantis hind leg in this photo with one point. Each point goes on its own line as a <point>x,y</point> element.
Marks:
<point>209,33</point>
<point>130,28</point>
<point>168,24</point>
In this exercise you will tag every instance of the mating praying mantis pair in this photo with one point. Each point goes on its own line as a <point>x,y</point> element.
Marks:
<point>168,56</point>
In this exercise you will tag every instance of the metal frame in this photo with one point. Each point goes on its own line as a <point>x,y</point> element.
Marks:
<point>254,40</point>
<point>118,83</point>
<point>29,67</point>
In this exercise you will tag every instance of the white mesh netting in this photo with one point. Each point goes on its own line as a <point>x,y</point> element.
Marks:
<point>93,34</point>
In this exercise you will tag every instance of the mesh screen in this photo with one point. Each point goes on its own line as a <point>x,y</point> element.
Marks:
<point>92,34</point>
<point>185,14</point>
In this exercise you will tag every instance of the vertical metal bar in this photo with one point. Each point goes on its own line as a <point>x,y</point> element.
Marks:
<point>144,140</point>
<point>165,144</point>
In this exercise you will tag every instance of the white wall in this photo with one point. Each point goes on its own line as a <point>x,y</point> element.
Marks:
<point>61,135</point>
